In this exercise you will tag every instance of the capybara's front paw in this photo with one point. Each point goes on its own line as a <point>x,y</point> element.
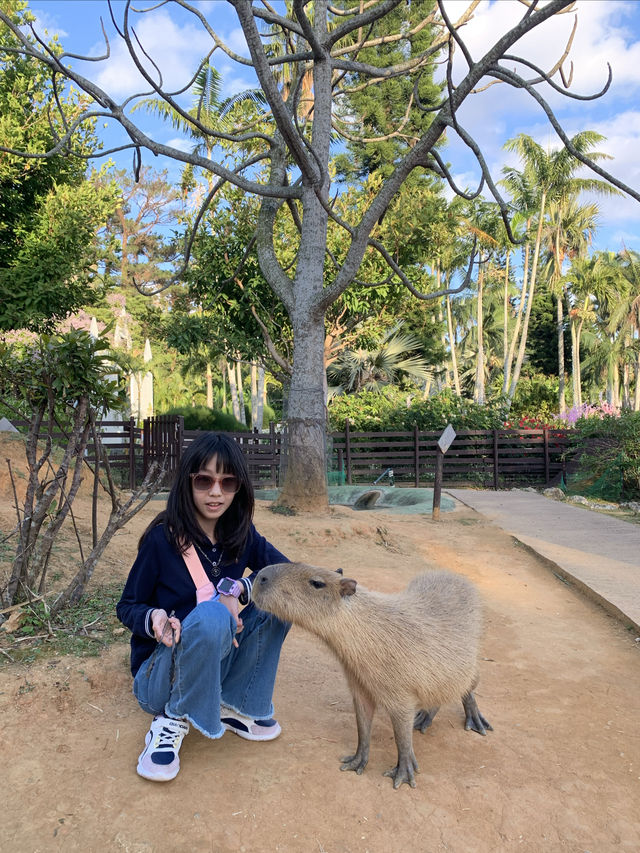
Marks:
<point>355,762</point>
<point>423,719</point>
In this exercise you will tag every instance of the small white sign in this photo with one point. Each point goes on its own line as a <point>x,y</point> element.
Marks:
<point>444,442</point>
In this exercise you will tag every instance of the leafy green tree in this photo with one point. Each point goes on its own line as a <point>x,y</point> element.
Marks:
<point>63,383</point>
<point>317,48</point>
<point>49,212</point>
<point>142,254</point>
<point>550,178</point>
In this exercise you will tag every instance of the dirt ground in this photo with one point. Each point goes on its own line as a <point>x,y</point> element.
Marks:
<point>559,683</point>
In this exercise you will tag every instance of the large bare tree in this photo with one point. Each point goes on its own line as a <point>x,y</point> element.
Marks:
<point>309,61</point>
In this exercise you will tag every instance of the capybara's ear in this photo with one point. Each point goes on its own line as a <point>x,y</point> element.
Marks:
<point>347,586</point>
<point>339,571</point>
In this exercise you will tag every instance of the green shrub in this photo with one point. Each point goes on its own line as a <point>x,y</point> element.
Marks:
<point>607,452</point>
<point>201,417</point>
<point>393,410</point>
<point>536,398</point>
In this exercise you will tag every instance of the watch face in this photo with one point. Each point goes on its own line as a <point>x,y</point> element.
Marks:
<point>225,586</point>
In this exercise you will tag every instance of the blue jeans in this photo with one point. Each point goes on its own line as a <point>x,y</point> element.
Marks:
<point>205,669</point>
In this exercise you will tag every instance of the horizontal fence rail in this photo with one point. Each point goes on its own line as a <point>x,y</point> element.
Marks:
<point>122,441</point>
<point>490,458</point>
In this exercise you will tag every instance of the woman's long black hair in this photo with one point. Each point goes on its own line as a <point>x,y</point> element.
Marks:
<point>179,518</point>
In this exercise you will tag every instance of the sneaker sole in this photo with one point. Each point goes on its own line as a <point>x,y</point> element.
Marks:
<point>156,777</point>
<point>249,736</point>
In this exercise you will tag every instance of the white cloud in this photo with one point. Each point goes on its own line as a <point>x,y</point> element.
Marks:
<point>602,36</point>
<point>175,48</point>
<point>181,143</point>
<point>47,24</point>
<point>605,33</point>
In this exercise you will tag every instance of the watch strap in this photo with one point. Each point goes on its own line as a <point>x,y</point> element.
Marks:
<point>237,588</point>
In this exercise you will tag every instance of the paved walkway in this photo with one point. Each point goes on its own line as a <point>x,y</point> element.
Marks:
<point>598,553</point>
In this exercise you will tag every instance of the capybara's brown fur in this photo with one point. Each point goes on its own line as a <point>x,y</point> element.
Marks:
<point>408,652</point>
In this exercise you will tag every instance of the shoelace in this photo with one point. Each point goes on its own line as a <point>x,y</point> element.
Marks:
<point>166,739</point>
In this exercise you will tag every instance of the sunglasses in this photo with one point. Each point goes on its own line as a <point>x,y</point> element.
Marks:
<point>205,482</point>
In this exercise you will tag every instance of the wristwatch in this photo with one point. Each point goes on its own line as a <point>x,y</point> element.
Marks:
<point>229,586</point>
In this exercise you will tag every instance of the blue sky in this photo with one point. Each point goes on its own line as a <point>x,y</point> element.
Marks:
<point>608,31</point>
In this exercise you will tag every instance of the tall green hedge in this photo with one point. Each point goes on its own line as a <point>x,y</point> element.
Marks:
<point>201,417</point>
<point>393,410</point>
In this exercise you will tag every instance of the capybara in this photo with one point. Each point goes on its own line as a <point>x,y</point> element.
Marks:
<point>408,652</point>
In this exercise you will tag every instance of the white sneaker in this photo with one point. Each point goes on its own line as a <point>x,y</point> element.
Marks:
<point>247,727</point>
<point>159,759</point>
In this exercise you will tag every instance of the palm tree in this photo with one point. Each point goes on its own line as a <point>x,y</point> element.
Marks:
<point>581,284</point>
<point>568,235</point>
<point>552,176</point>
<point>626,316</point>
<point>383,364</point>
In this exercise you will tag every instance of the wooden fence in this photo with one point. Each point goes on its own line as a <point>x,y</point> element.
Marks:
<point>490,458</point>
<point>483,457</point>
<point>123,442</point>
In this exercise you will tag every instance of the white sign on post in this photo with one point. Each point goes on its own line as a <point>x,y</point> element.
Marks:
<point>445,440</point>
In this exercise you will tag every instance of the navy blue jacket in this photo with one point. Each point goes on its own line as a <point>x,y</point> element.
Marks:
<point>159,578</point>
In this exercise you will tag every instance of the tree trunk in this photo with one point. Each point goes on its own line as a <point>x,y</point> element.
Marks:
<point>575,363</point>
<point>209,387</point>
<point>305,486</point>
<point>626,375</point>
<point>562,406</point>
<point>452,346</point>
<point>505,315</point>
<point>506,382</point>
<point>257,395</point>
<point>221,365</point>
<point>262,396</point>
<point>532,286</point>
<point>242,417</point>
<point>478,392</point>
<point>234,390</point>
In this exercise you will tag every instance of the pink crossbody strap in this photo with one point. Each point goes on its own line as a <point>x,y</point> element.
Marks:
<point>205,590</point>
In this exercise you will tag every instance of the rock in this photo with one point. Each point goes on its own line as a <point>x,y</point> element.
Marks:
<point>578,499</point>
<point>7,426</point>
<point>554,493</point>
<point>14,622</point>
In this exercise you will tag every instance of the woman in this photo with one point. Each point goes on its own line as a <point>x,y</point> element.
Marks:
<point>202,663</point>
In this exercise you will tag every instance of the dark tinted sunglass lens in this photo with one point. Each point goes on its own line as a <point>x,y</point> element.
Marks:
<point>230,485</point>
<point>202,482</point>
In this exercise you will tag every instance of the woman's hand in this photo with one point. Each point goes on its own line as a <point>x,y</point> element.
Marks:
<point>166,629</point>
<point>233,606</point>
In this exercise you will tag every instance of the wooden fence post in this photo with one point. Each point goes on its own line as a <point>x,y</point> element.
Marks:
<point>444,443</point>
<point>272,453</point>
<point>495,460</point>
<point>437,484</point>
<point>347,449</point>
<point>416,454</point>
<point>545,432</point>
<point>132,454</point>
<point>146,445</point>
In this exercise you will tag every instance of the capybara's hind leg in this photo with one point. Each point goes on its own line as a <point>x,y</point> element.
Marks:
<point>364,707</point>
<point>424,718</point>
<point>474,721</point>
<point>407,765</point>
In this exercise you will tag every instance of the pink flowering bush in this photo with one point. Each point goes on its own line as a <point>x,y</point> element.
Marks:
<point>589,410</point>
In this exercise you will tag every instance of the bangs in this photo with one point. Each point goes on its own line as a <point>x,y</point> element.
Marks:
<point>228,455</point>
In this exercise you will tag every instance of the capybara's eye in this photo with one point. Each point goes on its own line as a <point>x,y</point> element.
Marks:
<point>317,584</point>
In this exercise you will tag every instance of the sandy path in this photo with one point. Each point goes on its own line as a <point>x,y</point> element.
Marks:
<point>559,683</point>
